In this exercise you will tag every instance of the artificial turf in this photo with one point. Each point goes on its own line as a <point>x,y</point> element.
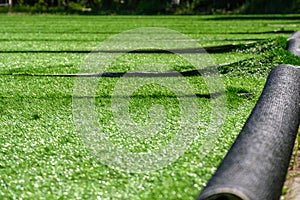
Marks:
<point>43,156</point>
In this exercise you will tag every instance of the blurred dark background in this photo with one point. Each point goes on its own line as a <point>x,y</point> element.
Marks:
<point>149,7</point>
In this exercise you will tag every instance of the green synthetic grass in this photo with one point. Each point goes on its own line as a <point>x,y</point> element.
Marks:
<point>41,154</point>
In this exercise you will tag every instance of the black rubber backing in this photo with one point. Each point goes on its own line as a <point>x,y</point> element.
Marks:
<point>293,44</point>
<point>256,165</point>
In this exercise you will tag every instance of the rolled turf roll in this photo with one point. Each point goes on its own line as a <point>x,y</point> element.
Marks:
<point>293,44</point>
<point>256,165</point>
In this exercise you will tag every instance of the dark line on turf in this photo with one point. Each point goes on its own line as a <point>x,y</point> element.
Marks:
<point>184,32</point>
<point>211,49</point>
<point>196,72</point>
<point>266,32</point>
<point>90,40</point>
<point>257,17</point>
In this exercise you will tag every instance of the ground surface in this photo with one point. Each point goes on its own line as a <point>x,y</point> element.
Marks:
<point>42,156</point>
<point>291,190</point>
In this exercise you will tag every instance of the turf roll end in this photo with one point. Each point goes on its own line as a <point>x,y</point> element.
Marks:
<point>256,165</point>
<point>293,44</point>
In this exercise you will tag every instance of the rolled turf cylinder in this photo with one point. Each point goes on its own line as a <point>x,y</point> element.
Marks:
<point>256,165</point>
<point>293,44</point>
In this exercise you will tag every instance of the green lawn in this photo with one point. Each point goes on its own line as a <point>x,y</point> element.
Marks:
<point>42,156</point>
